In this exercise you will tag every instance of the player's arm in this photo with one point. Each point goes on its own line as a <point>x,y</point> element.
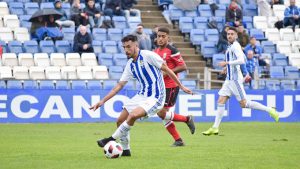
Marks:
<point>172,75</point>
<point>238,52</point>
<point>111,94</point>
<point>177,59</point>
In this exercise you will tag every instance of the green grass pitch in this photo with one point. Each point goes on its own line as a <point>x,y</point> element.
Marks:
<point>240,145</point>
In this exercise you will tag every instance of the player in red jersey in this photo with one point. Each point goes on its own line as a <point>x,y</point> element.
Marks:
<point>175,62</point>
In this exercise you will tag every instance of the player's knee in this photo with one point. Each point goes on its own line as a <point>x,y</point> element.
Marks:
<point>243,103</point>
<point>132,117</point>
<point>162,113</point>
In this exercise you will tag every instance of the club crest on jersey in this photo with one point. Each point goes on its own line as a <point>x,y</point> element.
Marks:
<point>142,63</point>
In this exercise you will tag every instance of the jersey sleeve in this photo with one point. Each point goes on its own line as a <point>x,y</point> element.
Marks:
<point>154,59</point>
<point>176,56</point>
<point>127,74</point>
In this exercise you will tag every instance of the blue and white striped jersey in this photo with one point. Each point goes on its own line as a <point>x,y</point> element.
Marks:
<point>235,57</point>
<point>146,70</point>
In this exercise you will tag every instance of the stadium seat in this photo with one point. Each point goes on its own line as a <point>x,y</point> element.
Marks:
<point>16,8</point>
<point>15,47</point>
<point>73,59</point>
<point>279,59</point>
<point>110,47</point>
<point>127,31</point>
<point>30,84</point>
<point>191,84</point>
<point>284,47</point>
<point>287,84</point>
<point>212,35</point>
<point>66,7</point>
<point>219,21</point>
<point>57,59</point>
<point>68,33</point>
<point>268,47</point>
<point>120,47</point>
<point>204,10</point>
<point>47,5</point>
<point>276,72</point>
<point>278,11</point>
<point>46,84</point>
<point>133,21</point>
<point>186,24</point>
<point>109,84</point>
<point>21,34</point>
<point>26,59</point>
<point>78,84</point>
<point>250,10</point>
<point>88,59</point>
<point>287,34</point>
<point>115,72</point>
<point>294,59</point>
<point>114,34</point>
<point>4,46</point>
<point>3,9</point>
<point>2,84</point>
<point>175,13</point>
<point>120,59</point>
<point>9,59</point>
<point>97,45</point>
<point>120,22</point>
<point>273,84</point>
<point>11,21</point>
<point>5,72</point>
<point>197,36</point>
<point>63,46</point>
<point>291,72</point>
<point>99,34</point>
<point>192,13</point>
<point>41,59</point>
<point>296,46</point>
<point>6,34</point>
<point>20,72</point>
<point>53,72</point>
<point>14,84</point>
<point>47,46</point>
<point>216,59</point>
<point>105,59</point>
<point>221,11</point>
<point>260,22</point>
<point>62,85</point>
<point>68,72</point>
<point>271,21</point>
<point>84,72</point>
<point>36,73</point>
<point>224,2</point>
<point>273,34</point>
<point>100,72</point>
<point>298,84</point>
<point>257,33</point>
<point>31,46</point>
<point>94,85</point>
<point>297,34</point>
<point>31,7</point>
<point>261,84</point>
<point>208,49</point>
<point>200,22</point>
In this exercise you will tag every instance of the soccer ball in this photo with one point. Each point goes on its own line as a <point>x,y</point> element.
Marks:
<point>113,150</point>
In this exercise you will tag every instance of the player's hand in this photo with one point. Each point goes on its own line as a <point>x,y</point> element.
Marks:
<point>224,72</point>
<point>96,106</point>
<point>222,63</point>
<point>187,90</point>
<point>247,78</point>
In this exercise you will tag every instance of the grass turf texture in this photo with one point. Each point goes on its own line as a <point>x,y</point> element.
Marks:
<point>239,145</point>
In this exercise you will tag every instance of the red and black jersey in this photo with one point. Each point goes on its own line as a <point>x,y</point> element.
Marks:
<point>173,59</point>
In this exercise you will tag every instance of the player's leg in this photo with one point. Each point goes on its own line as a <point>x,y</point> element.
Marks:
<point>124,139</point>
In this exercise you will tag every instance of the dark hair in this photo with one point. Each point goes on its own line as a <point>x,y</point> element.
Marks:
<point>232,28</point>
<point>140,24</point>
<point>127,38</point>
<point>164,29</point>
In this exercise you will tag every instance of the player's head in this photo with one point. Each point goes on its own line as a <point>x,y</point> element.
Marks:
<point>231,34</point>
<point>130,45</point>
<point>163,36</point>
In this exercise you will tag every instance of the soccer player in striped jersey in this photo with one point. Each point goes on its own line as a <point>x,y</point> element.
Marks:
<point>144,66</point>
<point>233,85</point>
<point>174,61</point>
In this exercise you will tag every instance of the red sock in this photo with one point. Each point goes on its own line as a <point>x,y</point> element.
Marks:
<point>177,117</point>
<point>172,130</point>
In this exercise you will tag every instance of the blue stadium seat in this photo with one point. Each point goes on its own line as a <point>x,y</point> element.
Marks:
<point>219,21</point>
<point>225,2</point>
<point>186,24</point>
<point>30,84</point>
<point>258,34</point>
<point>46,84</point>
<point>24,20</point>
<point>127,31</point>
<point>110,47</point>
<point>201,22</point>
<point>114,34</point>
<point>68,33</point>
<point>191,84</point>
<point>97,45</point>
<point>204,10</point>
<point>164,2</point>
<point>66,7</point>
<point>24,17</point>
<point>273,84</point>
<point>261,84</point>
<point>120,22</point>
<point>115,72</point>
<point>109,84</point>
<point>78,84</point>
<point>287,84</point>
<point>23,1</point>
<point>31,7</point>
<point>94,85</point>
<point>134,21</point>
<point>99,34</point>
<point>14,84</point>
<point>248,20</point>
<point>175,13</point>
<point>276,72</point>
<point>2,84</point>
<point>279,59</point>
<point>221,11</point>
<point>16,8</point>
<point>62,85</point>
<point>105,59</point>
<point>250,10</point>
<point>31,46</point>
<point>47,5</point>
<point>268,47</point>
<point>208,49</point>
<point>212,35</point>
<point>291,72</point>
<point>120,59</point>
<point>15,47</point>
<point>192,13</point>
<point>130,85</point>
<point>197,36</point>
<point>298,84</point>
<point>63,46</point>
<point>4,46</point>
<point>47,46</point>
<point>216,59</point>
<point>120,47</point>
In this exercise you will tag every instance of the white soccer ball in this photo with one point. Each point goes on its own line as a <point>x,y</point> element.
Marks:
<point>113,150</point>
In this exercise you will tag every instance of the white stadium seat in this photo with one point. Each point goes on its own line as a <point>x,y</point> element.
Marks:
<point>11,21</point>
<point>9,59</point>
<point>3,9</point>
<point>26,59</point>
<point>88,59</point>
<point>21,34</point>
<point>37,72</point>
<point>272,34</point>
<point>68,72</point>
<point>260,22</point>
<point>284,47</point>
<point>73,59</point>
<point>57,59</point>
<point>5,72</point>
<point>41,59</point>
<point>100,72</point>
<point>84,72</point>
<point>287,34</point>
<point>20,72</point>
<point>6,34</point>
<point>53,72</point>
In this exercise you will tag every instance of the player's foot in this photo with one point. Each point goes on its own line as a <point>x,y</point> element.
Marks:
<point>126,153</point>
<point>190,123</point>
<point>211,131</point>
<point>178,143</point>
<point>274,114</point>
<point>103,142</point>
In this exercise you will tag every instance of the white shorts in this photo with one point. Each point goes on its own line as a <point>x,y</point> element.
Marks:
<point>149,104</point>
<point>233,87</point>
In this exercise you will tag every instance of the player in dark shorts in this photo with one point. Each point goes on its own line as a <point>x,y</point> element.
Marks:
<point>175,62</point>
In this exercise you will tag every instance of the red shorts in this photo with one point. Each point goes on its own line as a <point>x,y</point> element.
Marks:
<point>171,96</point>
